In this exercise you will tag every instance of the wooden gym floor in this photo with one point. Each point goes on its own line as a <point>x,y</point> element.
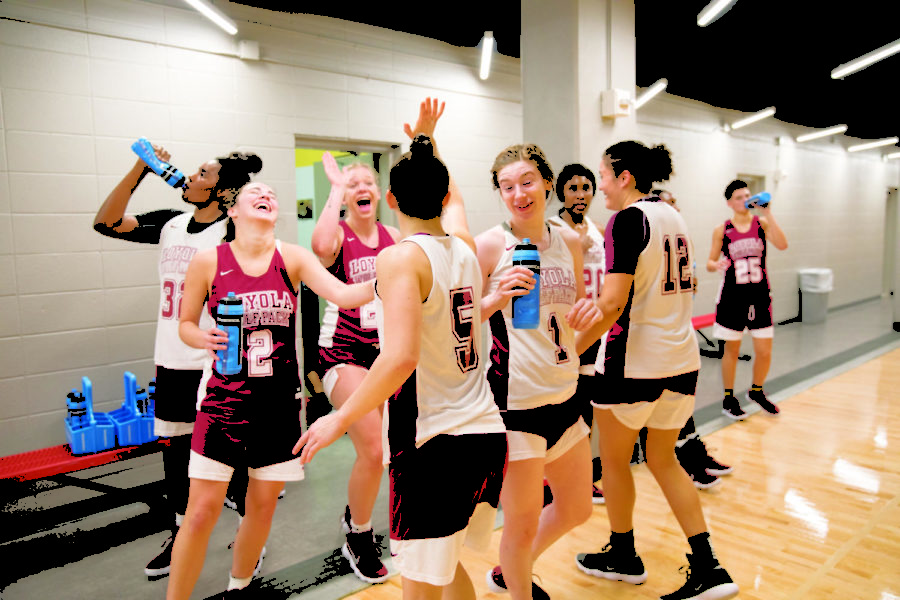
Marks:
<point>812,510</point>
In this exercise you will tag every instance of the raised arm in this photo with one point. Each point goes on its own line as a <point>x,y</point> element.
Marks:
<point>304,266</point>
<point>774,233</point>
<point>714,263</point>
<point>111,218</point>
<point>327,235</point>
<point>399,270</point>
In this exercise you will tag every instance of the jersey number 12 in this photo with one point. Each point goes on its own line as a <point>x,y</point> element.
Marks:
<point>678,276</point>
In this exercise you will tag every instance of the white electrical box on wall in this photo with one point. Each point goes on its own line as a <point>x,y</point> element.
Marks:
<point>615,103</point>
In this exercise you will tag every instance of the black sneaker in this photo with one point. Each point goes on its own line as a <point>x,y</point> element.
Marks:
<point>365,557</point>
<point>704,584</point>
<point>693,459</point>
<point>248,592</point>
<point>714,467</point>
<point>613,565</point>
<point>597,495</point>
<point>496,584</point>
<point>345,520</point>
<point>704,480</point>
<point>764,403</point>
<point>731,408</point>
<point>162,562</point>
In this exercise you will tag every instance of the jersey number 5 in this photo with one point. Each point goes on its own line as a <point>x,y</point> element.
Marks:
<point>678,276</point>
<point>462,311</point>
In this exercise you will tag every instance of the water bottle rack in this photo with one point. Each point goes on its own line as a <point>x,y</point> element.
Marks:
<point>131,425</point>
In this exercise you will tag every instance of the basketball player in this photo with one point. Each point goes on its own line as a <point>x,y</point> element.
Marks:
<point>534,372</point>
<point>178,367</point>
<point>348,344</point>
<point>575,187</point>
<point>248,420</point>
<point>745,299</point>
<point>444,436</point>
<point>651,366</point>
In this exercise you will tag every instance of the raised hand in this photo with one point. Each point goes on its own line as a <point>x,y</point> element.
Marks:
<point>516,281</point>
<point>332,170</point>
<point>429,113</point>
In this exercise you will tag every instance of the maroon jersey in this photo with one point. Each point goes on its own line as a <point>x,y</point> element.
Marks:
<point>346,329</point>
<point>254,416</point>
<point>745,299</point>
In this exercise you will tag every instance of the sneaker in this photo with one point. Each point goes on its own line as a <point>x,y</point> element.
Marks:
<point>230,503</point>
<point>612,565</point>
<point>714,467</point>
<point>246,592</point>
<point>345,520</point>
<point>597,496</point>
<point>731,408</point>
<point>704,480</point>
<point>764,403</point>
<point>696,461</point>
<point>496,584</point>
<point>704,584</point>
<point>162,562</point>
<point>365,557</point>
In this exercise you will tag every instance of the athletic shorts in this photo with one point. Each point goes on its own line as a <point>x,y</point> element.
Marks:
<point>175,401</point>
<point>670,411</point>
<point>545,432</point>
<point>253,432</point>
<point>736,314</point>
<point>619,390</point>
<point>436,487</point>
<point>201,467</point>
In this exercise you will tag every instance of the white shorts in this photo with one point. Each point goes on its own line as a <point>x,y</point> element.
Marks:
<point>524,445</point>
<point>730,335</point>
<point>671,411</point>
<point>201,467</point>
<point>434,560</point>
<point>330,379</point>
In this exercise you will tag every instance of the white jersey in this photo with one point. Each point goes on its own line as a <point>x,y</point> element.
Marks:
<point>177,248</point>
<point>448,393</point>
<point>654,337</point>
<point>536,367</point>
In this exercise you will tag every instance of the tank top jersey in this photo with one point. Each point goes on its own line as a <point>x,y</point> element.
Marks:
<point>355,263</point>
<point>269,365</point>
<point>654,338</point>
<point>746,276</point>
<point>448,392</point>
<point>594,270</point>
<point>177,247</point>
<point>535,367</point>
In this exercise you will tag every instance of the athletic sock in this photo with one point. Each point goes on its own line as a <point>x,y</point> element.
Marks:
<point>729,392</point>
<point>756,388</point>
<point>354,528</point>
<point>702,550</point>
<point>235,583</point>
<point>623,542</point>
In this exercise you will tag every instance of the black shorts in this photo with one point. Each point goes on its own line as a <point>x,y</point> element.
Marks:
<point>751,312</point>
<point>342,353</point>
<point>621,390</point>
<point>550,421</point>
<point>435,488</point>
<point>176,394</point>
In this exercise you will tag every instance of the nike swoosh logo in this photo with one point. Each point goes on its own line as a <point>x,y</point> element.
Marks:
<point>511,247</point>
<point>351,239</point>
<point>224,273</point>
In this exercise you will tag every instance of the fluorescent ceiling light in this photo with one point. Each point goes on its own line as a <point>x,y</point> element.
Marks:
<point>890,156</point>
<point>866,60</point>
<point>214,14</point>
<point>758,116</point>
<point>487,50</point>
<point>823,133</point>
<point>713,11</point>
<point>876,144</point>
<point>650,92</point>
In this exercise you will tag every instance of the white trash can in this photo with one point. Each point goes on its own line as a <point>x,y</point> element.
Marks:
<point>814,287</point>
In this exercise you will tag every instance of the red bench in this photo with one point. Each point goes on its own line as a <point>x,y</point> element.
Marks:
<point>57,460</point>
<point>701,321</point>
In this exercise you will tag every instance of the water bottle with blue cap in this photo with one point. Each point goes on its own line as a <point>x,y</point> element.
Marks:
<point>526,309</point>
<point>760,200</point>
<point>144,149</point>
<point>229,318</point>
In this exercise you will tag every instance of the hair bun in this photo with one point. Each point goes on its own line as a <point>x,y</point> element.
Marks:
<point>251,161</point>
<point>421,147</point>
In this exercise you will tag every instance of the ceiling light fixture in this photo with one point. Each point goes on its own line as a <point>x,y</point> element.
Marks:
<point>823,133</point>
<point>487,50</point>
<point>649,93</point>
<point>876,144</point>
<point>713,11</point>
<point>757,116</point>
<point>214,14</point>
<point>866,60</point>
<point>892,156</point>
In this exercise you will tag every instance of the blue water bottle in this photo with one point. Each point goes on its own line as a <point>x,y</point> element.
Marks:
<point>759,200</point>
<point>527,309</point>
<point>229,317</point>
<point>144,149</point>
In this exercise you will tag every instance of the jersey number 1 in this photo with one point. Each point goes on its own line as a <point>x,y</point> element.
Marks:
<point>678,276</point>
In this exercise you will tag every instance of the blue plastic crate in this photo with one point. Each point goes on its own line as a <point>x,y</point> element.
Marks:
<point>90,432</point>
<point>134,425</point>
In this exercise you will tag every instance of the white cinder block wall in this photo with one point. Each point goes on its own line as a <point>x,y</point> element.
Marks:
<point>79,81</point>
